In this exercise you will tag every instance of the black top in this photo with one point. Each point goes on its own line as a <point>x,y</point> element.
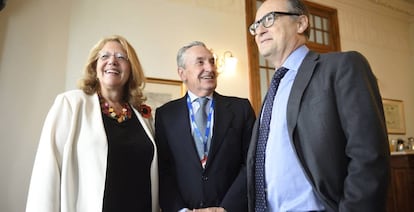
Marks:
<point>130,153</point>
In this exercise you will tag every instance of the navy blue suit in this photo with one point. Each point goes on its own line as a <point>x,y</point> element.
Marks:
<point>183,181</point>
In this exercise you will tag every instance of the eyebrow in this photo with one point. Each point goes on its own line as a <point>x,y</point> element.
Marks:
<point>204,58</point>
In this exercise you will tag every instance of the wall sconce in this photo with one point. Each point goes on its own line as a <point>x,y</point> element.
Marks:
<point>227,63</point>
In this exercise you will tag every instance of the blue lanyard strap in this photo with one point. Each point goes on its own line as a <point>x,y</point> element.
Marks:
<point>194,125</point>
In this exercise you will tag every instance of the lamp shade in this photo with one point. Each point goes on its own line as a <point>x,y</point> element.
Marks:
<point>230,64</point>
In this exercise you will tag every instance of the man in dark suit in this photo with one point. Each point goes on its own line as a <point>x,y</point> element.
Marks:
<point>202,169</point>
<point>327,146</point>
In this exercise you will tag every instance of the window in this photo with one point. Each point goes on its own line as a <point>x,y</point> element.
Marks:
<point>323,22</point>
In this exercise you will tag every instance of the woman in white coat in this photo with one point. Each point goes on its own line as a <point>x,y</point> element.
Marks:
<point>96,150</point>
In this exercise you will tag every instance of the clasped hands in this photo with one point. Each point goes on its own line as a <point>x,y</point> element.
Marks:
<point>211,209</point>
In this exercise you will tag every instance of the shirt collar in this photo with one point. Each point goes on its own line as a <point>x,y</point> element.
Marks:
<point>295,59</point>
<point>194,97</point>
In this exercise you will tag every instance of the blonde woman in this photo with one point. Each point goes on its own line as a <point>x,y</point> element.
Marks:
<point>96,150</point>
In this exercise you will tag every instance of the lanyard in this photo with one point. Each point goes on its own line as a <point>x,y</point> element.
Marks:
<point>208,126</point>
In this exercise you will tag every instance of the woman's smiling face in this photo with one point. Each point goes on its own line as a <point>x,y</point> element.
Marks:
<point>112,67</point>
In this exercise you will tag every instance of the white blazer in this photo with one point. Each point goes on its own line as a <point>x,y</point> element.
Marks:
<point>70,166</point>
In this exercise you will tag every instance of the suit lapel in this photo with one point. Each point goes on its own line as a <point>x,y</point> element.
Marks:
<point>183,129</point>
<point>222,119</point>
<point>302,80</point>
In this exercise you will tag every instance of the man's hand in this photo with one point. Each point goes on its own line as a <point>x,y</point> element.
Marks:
<point>211,209</point>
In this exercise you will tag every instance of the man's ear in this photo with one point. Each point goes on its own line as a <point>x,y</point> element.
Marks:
<point>181,73</point>
<point>303,23</point>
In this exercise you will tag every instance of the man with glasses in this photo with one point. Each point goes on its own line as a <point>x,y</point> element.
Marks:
<point>321,125</point>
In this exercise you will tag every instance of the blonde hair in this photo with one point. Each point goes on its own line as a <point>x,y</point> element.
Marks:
<point>133,89</point>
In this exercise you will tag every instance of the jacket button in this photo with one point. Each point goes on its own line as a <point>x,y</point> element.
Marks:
<point>204,178</point>
<point>201,205</point>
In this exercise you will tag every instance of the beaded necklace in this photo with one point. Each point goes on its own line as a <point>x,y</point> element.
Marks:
<point>109,111</point>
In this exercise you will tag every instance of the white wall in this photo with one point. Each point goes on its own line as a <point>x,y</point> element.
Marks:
<point>157,29</point>
<point>44,45</point>
<point>33,49</point>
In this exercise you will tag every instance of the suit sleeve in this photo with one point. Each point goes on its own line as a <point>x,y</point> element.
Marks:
<point>362,118</point>
<point>44,191</point>
<point>236,197</point>
<point>170,198</point>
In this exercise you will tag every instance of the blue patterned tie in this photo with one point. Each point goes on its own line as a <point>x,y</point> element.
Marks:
<point>262,140</point>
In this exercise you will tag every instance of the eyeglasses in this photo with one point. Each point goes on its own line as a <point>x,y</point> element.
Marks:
<point>268,20</point>
<point>104,56</point>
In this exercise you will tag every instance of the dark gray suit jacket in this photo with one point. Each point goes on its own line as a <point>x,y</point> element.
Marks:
<point>183,182</point>
<point>336,125</point>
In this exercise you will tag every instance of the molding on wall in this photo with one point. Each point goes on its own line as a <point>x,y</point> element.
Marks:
<point>400,9</point>
<point>402,6</point>
<point>364,25</point>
